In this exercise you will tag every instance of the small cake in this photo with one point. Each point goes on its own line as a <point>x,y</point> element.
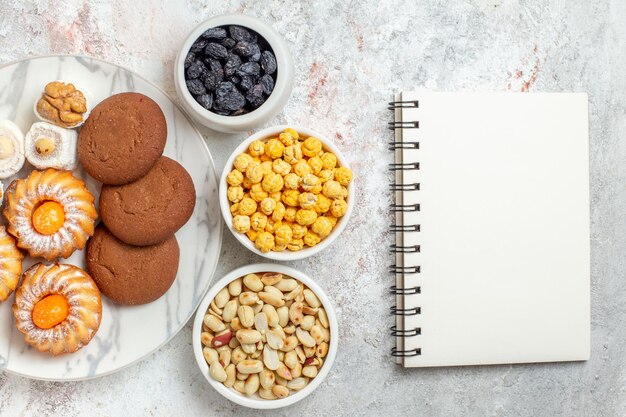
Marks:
<point>131,274</point>
<point>62,104</point>
<point>57,308</point>
<point>10,264</point>
<point>11,149</point>
<point>51,213</point>
<point>151,209</point>
<point>122,138</point>
<point>50,146</point>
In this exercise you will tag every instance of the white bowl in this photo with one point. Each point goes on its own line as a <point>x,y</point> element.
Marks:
<point>256,401</point>
<point>285,255</point>
<point>275,102</point>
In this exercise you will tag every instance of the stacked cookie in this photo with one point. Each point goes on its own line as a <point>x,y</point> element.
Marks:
<point>145,198</point>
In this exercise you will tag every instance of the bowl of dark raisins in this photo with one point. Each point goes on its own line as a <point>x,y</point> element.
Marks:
<point>233,73</point>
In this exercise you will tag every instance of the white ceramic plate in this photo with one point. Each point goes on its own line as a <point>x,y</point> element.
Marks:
<point>127,334</point>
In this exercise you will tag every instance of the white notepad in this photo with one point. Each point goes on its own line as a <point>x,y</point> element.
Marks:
<point>499,271</point>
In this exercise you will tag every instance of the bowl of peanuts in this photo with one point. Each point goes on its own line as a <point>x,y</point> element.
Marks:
<point>286,193</point>
<point>265,336</point>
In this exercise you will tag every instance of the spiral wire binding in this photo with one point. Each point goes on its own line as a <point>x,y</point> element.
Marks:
<point>405,228</point>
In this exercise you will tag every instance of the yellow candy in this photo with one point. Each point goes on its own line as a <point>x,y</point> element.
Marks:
<point>295,245</point>
<point>274,148</point>
<point>254,172</point>
<point>311,238</point>
<point>298,231</point>
<point>272,225</point>
<point>306,217</point>
<point>264,242</point>
<point>290,197</point>
<point>266,167</point>
<point>293,153</point>
<point>322,205</point>
<point>290,214</point>
<point>234,208</point>
<point>257,193</point>
<point>301,168</point>
<point>316,164</point>
<point>326,175</point>
<point>241,223</point>
<point>258,221</point>
<point>286,138</point>
<point>283,235</point>
<point>329,159</point>
<point>322,227</point>
<point>247,183</point>
<point>311,147</point>
<point>281,167</point>
<point>234,193</point>
<point>310,182</point>
<point>338,208</point>
<point>252,234</point>
<point>292,181</point>
<point>234,177</point>
<point>292,132</point>
<point>268,205</point>
<point>333,219</point>
<point>279,211</point>
<point>247,206</point>
<point>307,200</point>
<point>343,176</point>
<point>272,182</point>
<point>242,161</point>
<point>332,189</point>
<point>256,148</point>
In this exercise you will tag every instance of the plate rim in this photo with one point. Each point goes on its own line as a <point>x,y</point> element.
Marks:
<point>205,146</point>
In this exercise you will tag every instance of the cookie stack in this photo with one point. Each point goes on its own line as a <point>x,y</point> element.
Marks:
<point>145,198</point>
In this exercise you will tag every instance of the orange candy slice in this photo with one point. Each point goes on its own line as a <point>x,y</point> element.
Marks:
<point>50,311</point>
<point>48,217</point>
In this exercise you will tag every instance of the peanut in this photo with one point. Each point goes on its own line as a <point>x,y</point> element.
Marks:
<point>252,384</point>
<point>247,336</point>
<point>267,394</point>
<point>311,298</point>
<point>231,373</point>
<point>280,391</point>
<point>250,366</point>
<point>234,288</point>
<point>271,278</point>
<point>246,316</point>
<point>286,284</point>
<point>272,299</point>
<point>217,371</point>
<point>266,378</point>
<point>270,358</point>
<point>253,282</point>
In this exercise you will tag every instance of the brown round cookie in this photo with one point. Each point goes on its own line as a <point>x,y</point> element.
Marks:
<point>131,274</point>
<point>151,209</point>
<point>122,138</point>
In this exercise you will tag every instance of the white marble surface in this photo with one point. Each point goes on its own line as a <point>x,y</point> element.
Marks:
<point>350,57</point>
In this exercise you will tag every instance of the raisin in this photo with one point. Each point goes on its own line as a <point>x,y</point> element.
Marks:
<point>198,45</point>
<point>268,62</point>
<point>205,100</point>
<point>190,59</point>
<point>246,82</point>
<point>267,82</point>
<point>255,95</point>
<point>255,58</point>
<point>239,33</point>
<point>194,71</point>
<point>228,98</point>
<point>214,33</point>
<point>213,64</point>
<point>216,50</point>
<point>212,80</point>
<point>249,68</point>
<point>228,43</point>
<point>246,49</point>
<point>231,65</point>
<point>196,87</point>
